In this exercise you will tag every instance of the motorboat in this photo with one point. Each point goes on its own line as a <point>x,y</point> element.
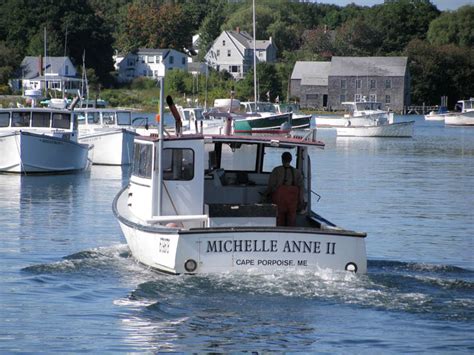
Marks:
<point>110,131</point>
<point>41,140</point>
<point>465,117</point>
<point>438,115</point>
<point>198,120</point>
<point>195,204</point>
<point>367,119</point>
<point>261,117</point>
<point>298,120</point>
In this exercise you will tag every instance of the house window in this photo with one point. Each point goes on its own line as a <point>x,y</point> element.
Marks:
<point>218,52</point>
<point>130,62</point>
<point>234,68</point>
<point>343,84</point>
<point>66,70</point>
<point>387,99</point>
<point>229,53</point>
<point>178,164</point>
<point>388,84</point>
<point>372,84</point>
<point>183,61</point>
<point>357,97</point>
<point>312,97</point>
<point>373,97</point>
<point>342,98</point>
<point>144,72</point>
<point>171,59</point>
<point>223,42</point>
<point>358,84</point>
<point>150,59</point>
<point>260,54</point>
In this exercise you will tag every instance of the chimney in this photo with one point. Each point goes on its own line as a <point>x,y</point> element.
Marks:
<point>237,29</point>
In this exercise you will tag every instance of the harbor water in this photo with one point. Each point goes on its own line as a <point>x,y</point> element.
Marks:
<point>68,283</point>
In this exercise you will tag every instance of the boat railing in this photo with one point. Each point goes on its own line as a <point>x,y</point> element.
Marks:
<point>318,195</point>
<point>179,218</point>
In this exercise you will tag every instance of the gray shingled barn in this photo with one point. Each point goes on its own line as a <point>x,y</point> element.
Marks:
<point>327,84</point>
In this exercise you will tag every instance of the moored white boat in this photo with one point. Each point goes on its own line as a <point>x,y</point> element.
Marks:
<point>367,119</point>
<point>110,131</point>
<point>203,211</point>
<point>40,140</point>
<point>463,118</point>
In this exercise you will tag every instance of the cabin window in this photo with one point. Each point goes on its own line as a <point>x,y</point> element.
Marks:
<point>108,118</point>
<point>124,118</point>
<point>272,158</point>
<point>40,119</point>
<point>4,119</point>
<point>92,117</point>
<point>238,156</point>
<point>142,160</point>
<point>61,120</point>
<point>21,119</point>
<point>178,164</point>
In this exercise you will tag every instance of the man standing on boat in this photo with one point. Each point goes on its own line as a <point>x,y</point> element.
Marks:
<point>285,186</point>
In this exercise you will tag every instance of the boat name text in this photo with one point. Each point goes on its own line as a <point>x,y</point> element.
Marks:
<point>269,246</point>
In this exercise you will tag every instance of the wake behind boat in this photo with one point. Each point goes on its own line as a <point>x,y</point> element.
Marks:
<point>41,140</point>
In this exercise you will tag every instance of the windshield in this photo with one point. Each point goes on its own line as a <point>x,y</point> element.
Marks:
<point>361,106</point>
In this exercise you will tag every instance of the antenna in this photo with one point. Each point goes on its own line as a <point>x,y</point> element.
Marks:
<point>254,58</point>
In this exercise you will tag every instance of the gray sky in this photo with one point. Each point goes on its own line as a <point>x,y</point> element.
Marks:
<point>440,4</point>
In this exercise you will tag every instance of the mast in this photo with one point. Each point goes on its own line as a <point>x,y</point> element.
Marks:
<point>254,59</point>
<point>159,194</point>
<point>45,66</point>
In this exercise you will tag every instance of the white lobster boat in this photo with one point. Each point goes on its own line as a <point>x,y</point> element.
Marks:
<point>111,133</point>
<point>367,119</point>
<point>194,205</point>
<point>41,140</point>
<point>463,118</point>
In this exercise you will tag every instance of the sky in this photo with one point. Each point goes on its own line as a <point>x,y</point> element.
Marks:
<point>440,4</point>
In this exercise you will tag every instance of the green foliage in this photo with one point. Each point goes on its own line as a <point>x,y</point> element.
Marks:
<point>143,83</point>
<point>453,28</point>
<point>440,70</point>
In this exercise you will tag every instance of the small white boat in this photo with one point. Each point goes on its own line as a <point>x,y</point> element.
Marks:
<point>438,115</point>
<point>203,212</point>
<point>110,131</point>
<point>367,119</point>
<point>463,118</point>
<point>41,140</point>
<point>196,120</point>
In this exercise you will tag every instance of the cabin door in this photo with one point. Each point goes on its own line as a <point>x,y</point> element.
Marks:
<point>183,179</point>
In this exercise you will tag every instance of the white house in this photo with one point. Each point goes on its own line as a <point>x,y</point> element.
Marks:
<point>53,73</point>
<point>233,51</point>
<point>148,63</point>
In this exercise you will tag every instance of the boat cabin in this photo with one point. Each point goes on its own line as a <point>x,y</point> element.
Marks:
<point>362,106</point>
<point>465,105</point>
<point>252,107</point>
<point>212,181</point>
<point>37,119</point>
<point>93,117</point>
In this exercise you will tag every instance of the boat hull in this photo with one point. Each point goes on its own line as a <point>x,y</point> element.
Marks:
<point>301,122</point>
<point>111,147</point>
<point>227,249</point>
<point>462,119</point>
<point>261,123</point>
<point>399,130</point>
<point>26,152</point>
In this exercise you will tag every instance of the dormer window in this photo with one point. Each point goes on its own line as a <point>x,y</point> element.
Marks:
<point>66,70</point>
